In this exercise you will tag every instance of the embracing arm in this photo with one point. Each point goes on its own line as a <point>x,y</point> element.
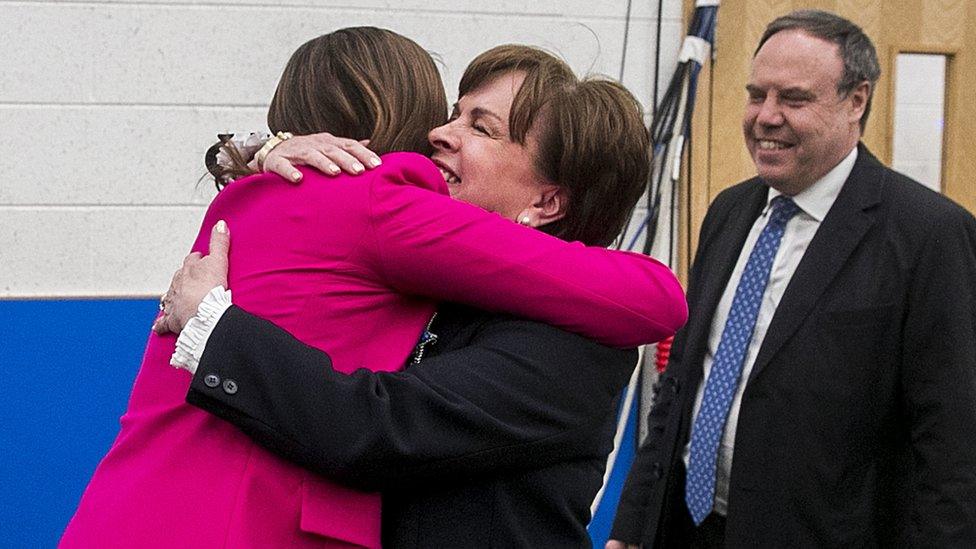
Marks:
<point>521,395</point>
<point>418,241</point>
<point>939,380</point>
<point>451,251</point>
<point>427,244</point>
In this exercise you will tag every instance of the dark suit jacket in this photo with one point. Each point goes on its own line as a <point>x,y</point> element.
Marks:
<point>498,438</point>
<point>858,424</point>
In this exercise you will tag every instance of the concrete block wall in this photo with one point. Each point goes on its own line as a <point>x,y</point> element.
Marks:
<point>107,107</point>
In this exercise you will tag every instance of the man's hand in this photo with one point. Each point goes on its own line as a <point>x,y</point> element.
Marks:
<point>198,275</point>
<point>323,151</point>
<point>614,544</point>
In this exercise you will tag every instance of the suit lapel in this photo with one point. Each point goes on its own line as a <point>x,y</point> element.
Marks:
<point>720,258</point>
<point>842,229</point>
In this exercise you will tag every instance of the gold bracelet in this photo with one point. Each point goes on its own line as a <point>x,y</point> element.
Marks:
<point>269,145</point>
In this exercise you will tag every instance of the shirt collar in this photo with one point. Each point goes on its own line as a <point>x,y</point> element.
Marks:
<point>817,199</point>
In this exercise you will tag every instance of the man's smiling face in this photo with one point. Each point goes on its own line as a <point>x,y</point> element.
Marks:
<point>796,125</point>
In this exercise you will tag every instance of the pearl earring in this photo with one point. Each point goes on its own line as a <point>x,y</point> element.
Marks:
<point>525,220</point>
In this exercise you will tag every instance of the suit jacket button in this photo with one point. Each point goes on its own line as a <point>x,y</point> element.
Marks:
<point>230,386</point>
<point>657,471</point>
<point>212,380</point>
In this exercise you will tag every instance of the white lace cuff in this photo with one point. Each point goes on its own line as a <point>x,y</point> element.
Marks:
<point>193,338</point>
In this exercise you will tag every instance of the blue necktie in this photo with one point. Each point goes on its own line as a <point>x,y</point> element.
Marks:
<point>727,365</point>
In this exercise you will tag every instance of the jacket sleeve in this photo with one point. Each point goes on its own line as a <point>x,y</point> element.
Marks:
<point>939,380</point>
<point>648,466</point>
<point>425,243</point>
<point>522,395</point>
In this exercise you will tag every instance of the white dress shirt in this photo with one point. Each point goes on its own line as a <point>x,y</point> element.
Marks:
<point>814,203</point>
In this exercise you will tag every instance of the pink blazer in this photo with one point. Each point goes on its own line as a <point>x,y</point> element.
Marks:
<point>351,265</point>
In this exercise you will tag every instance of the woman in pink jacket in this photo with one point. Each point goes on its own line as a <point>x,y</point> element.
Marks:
<point>353,265</point>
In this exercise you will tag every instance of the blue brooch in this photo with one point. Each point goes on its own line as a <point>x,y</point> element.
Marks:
<point>426,338</point>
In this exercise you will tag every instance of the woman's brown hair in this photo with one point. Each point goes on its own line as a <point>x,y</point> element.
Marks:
<point>360,83</point>
<point>591,134</point>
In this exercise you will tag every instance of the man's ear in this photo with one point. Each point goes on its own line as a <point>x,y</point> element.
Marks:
<point>859,100</point>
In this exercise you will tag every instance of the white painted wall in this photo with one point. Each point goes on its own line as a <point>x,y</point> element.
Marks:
<point>106,109</point>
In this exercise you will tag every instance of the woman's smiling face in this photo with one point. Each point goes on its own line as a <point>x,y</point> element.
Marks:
<point>479,160</point>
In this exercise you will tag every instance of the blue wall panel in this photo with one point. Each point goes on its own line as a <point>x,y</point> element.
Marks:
<point>67,368</point>
<point>602,521</point>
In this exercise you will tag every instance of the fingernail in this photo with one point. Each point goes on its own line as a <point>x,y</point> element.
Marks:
<point>333,169</point>
<point>373,162</point>
<point>222,227</point>
<point>295,176</point>
<point>358,168</point>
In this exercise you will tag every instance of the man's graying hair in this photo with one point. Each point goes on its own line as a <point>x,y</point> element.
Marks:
<point>855,48</point>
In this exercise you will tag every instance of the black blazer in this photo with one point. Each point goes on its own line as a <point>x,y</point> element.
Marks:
<point>498,438</point>
<point>856,428</point>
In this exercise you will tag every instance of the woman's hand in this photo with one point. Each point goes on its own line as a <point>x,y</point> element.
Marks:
<point>198,275</point>
<point>323,151</point>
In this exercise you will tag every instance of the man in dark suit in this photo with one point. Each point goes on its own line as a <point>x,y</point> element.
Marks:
<point>824,392</point>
